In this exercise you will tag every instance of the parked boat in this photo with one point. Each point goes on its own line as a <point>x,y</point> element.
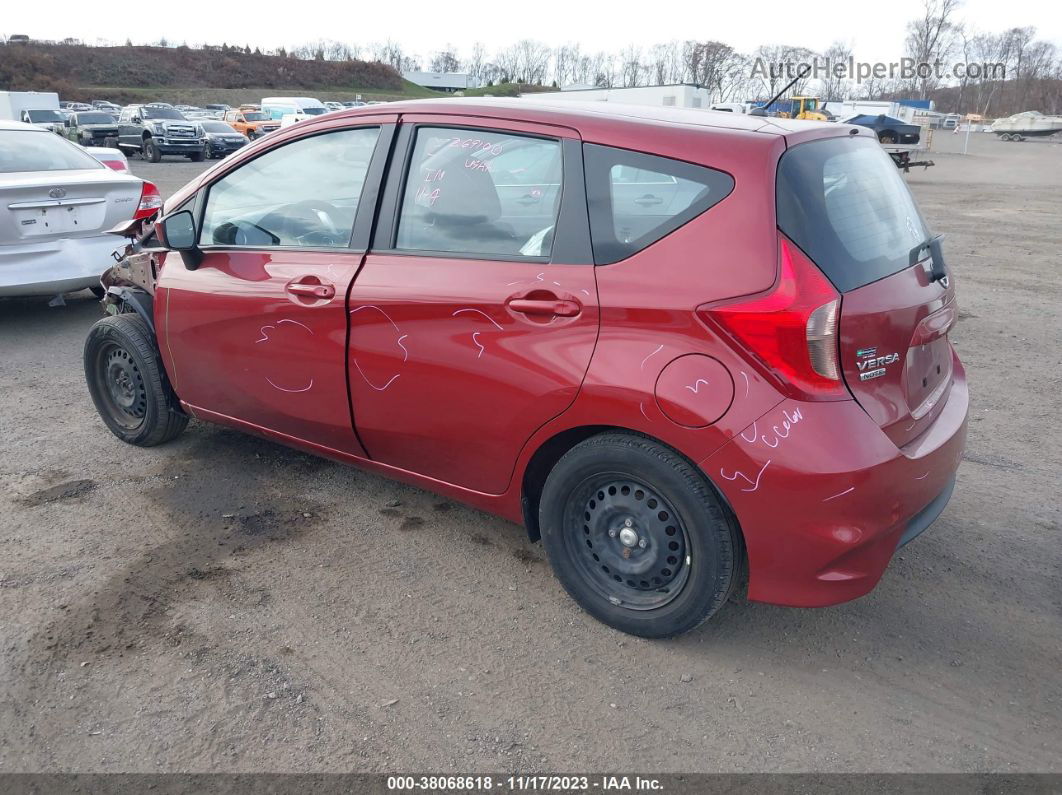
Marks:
<point>1030,124</point>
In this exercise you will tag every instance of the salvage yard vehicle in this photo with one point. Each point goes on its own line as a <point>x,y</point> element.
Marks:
<point>679,347</point>
<point>290,110</point>
<point>888,129</point>
<point>250,122</point>
<point>92,128</point>
<point>221,139</point>
<point>56,204</point>
<point>157,129</point>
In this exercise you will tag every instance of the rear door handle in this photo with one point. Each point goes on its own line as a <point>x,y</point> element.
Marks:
<point>648,200</point>
<point>312,290</point>
<point>549,307</point>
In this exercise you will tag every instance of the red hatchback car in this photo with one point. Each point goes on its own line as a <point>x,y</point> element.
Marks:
<point>678,346</point>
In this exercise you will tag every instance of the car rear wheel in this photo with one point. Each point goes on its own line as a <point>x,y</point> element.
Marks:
<point>151,151</point>
<point>637,536</point>
<point>128,383</point>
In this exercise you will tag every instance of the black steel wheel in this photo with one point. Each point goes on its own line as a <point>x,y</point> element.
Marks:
<point>638,536</point>
<point>128,384</point>
<point>632,548</point>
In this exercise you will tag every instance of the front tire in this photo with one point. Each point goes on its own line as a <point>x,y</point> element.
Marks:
<point>151,151</point>
<point>637,536</point>
<point>196,157</point>
<point>128,383</point>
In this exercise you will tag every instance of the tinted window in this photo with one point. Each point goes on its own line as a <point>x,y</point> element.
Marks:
<point>161,113</point>
<point>635,199</point>
<point>304,194</point>
<point>94,118</point>
<point>481,192</point>
<point>38,150</point>
<point>843,201</point>
<point>217,127</point>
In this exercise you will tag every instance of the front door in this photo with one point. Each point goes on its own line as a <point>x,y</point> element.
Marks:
<point>473,320</point>
<point>257,331</point>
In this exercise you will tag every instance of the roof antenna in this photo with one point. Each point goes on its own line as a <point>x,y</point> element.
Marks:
<point>803,72</point>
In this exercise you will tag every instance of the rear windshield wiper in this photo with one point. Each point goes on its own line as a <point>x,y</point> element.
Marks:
<point>937,272</point>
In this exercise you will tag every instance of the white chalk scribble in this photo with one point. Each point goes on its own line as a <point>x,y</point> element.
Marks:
<point>746,377</point>
<point>370,383</point>
<point>841,494</point>
<point>479,312</point>
<point>285,389</point>
<point>475,339</point>
<point>641,408</point>
<point>650,356</point>
<point>297,323</point>
<point>373,306</point>
<point>264,333</point>
<point>754,483</point>
<point>697,385</point>
<point>747,439</point>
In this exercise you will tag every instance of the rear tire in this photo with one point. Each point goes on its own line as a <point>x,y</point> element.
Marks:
<point>151,151</point>
<point>128,383</point>
<point>622,519</point>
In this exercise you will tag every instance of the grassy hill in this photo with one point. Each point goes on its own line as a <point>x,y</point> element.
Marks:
<point>184,75</point>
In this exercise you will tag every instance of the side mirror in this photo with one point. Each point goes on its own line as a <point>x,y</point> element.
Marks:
<point>177,232</point>
<point>137,120</point>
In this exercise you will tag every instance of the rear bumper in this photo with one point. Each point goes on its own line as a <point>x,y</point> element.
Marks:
<point>825,501</point>
<point>55,266</point>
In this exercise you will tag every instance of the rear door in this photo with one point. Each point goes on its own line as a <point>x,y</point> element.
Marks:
<point>474,317</point>
<point>843,201</point>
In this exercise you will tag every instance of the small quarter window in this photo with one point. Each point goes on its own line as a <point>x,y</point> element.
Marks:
<point>636,199</point>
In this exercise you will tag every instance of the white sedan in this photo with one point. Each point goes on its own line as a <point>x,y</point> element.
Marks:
<point>56,204</point>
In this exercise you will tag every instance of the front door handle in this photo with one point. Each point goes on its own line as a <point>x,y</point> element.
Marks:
<point>550,307</point>
<point>321,291</point>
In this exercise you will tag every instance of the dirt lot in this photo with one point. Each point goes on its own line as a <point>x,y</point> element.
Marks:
<point>223,603</point>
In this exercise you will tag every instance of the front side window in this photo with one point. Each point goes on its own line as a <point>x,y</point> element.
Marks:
<point>482,193</point>
<point>302,194</point>
<point>636,199</point>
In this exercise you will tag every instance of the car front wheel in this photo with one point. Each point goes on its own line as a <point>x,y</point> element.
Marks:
<point>637,536</point>
<point>128,383</point>
<point>151,151</point>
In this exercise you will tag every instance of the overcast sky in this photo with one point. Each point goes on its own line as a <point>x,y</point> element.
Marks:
<point>875,30</point>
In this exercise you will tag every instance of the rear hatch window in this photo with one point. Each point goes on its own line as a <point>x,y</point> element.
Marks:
<point>843,201</point>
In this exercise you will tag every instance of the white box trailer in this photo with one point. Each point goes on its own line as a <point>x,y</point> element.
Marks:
<point>40,108</point>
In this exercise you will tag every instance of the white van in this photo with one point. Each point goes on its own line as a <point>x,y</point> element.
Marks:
<point>289,110</point>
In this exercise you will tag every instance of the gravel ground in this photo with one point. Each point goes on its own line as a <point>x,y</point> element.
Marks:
<point>223,603</point>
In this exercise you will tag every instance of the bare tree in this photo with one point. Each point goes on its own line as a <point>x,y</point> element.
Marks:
<point>834,86</point>
<point>445,61</point>
<point>476,61</point>
<point>631,65</point>
<point>930,39</point>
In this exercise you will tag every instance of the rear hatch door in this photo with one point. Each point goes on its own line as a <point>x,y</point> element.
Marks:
<point>843,201</point>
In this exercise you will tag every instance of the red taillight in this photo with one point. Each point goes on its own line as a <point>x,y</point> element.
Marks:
<point>117,165</point>
<point>792,330</point>
<point>150,201</point>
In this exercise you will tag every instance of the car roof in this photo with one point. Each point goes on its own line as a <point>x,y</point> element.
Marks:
<point>567,112</point>
<point>18,125</point>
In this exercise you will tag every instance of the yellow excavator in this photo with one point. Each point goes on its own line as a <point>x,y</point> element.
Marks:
<point>803,108</point>
<point>799,107</point>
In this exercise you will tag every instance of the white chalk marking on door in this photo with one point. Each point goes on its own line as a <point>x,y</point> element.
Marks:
<point>285,389</point>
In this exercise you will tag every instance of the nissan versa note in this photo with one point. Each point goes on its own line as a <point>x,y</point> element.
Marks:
<point>681,347</point>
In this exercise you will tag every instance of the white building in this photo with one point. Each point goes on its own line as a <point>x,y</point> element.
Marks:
<point>442,81</point>
<point>681,95</point>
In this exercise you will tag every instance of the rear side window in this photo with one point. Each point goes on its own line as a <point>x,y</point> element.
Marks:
<point>635,199</point>
<point>481,193</point>
<point>843,201</point>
